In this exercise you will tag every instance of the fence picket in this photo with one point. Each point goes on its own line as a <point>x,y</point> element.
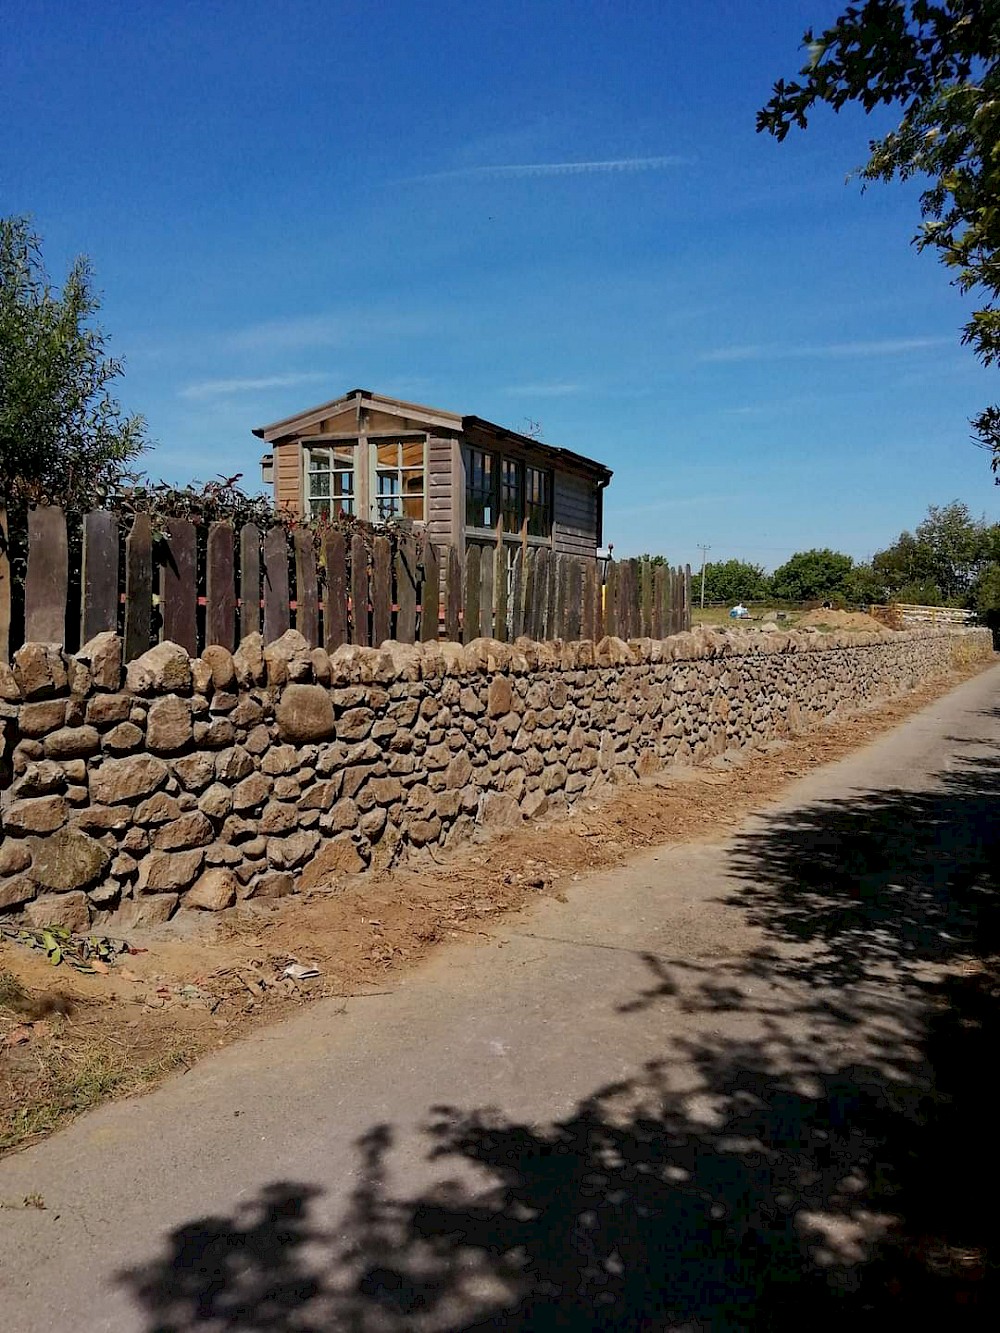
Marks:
<point>686,611</point>
<point>500,591</point>
<point>220,586</point>
<point>178,582</point>
<point>536,612</point>
<point>515,611</point>
<point>249,580</point>
<point>406,588</point>
<point>486,592</point>
<point>98,575</point>
<point>360,632</point>
<point>381,590</point>
<point>453,597</point>
<point>277,612</point>
<point>430,592</point>
<point>138,587</point>
<point>470,623</point>
<point>335,605</point>
<point>46,582</point>
<point>588,596</point>
<point>529,590</point>
<point>645,599</point>
<point>306,587</point>
<point>575,600</point>
<point>661,582</point>
<point>610,607</point>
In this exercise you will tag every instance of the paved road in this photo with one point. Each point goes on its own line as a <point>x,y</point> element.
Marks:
<point>694,1096</point>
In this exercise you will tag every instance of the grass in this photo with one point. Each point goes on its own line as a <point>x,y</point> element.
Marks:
<point>71,1079</point>
<point>718,616</point>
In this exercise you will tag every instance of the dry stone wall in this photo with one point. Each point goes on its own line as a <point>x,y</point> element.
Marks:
<point>130,791</point>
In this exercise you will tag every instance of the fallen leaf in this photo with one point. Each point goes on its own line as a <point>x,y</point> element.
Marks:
<point>19,1035</point>
<point>96,965</point>
<point>127,974</point>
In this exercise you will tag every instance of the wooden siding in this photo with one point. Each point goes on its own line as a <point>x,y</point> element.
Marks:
<point>440,521</point>
<point>288,476</point>
<point>574,529</point>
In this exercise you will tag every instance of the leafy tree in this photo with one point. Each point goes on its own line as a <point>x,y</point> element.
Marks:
<point>733,581</point>
<point>940,64</point>
<point>812,576</point>
<point>63,437</point>
<point>863,585</point>
<point>942,560</point>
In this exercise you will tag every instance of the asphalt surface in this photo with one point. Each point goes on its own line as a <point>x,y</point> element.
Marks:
<point>714,1089</point>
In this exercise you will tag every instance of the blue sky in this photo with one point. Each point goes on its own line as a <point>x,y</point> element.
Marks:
<point>547,211</point>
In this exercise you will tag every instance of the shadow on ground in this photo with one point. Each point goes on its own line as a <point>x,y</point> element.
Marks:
<point>849,1176</point>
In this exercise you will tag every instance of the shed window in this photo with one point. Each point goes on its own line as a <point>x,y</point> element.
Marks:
<point>511,494</point>
<point>480,489</point>
<point>538,501</point>
<point>330,481</point>
<point>400,486</point>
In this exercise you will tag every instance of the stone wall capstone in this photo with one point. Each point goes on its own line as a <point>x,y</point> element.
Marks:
<point>128,792</point>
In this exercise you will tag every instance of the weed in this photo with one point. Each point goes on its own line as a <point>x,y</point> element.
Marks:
<point>12,993</point>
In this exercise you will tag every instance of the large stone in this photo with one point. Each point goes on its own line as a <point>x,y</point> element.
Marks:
<point>248,661</point>
<point>67,859</point>
<point>220,661</point>
<point>280,655</point>
<point>231,765</point>
<point>270,886</point>
<point>214,891</point>
<point>280,759</point>
<point>169,872</point>
<point>165,669</point>
<point>8,684</point>
<point>305,714</point>
<point>14,856</point>
<point>216,802</point>
<point>68,742</point>
<point>321,796</point>
<point>355,724</point>
<point>277,817</point>
<point>39,670</point>
<point>168,724</point>
<point>252,792</point>
<point>386,790</point>
<point>103,656</point>
<point>337,857</point>
<point>40,779</point>
<point>458,771</point>
<point>215,734</point>
<point>498,810</point>
<point>124,738</point>
<point>344,815</point>
<point>289,853</point>
<point>41,814</point>
<point>39,718</point>
<point>127,779</point>
<point>69,910</point>
<point>142,913</point>
<point>195,771</point>
<point>15,892</point>
<point>191,830</point>
<point>158,809</point>
<point>101,818</point>
<point>500,698</point>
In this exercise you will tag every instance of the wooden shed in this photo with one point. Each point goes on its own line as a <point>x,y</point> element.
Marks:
<point>463,477</point>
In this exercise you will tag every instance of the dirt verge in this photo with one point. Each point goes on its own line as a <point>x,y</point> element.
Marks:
<point>70,1040</point>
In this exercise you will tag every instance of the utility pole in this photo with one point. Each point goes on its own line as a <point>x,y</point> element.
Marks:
<point>704,552</point>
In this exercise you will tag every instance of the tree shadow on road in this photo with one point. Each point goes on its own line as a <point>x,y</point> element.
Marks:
<point>826,1156</point>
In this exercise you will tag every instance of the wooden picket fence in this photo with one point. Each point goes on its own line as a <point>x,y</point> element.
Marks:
<point>358,587</point>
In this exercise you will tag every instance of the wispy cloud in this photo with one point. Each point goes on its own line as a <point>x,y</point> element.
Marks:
<point>202,389</point>
<point>559,389</point>
<point>789,351</point>
<point>529,170</point>
<point>348,327</point>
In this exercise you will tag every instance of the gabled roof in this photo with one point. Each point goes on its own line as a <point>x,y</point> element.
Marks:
<point>300,423</point>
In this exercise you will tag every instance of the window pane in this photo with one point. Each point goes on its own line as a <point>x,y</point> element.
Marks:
<point>480,492</point>
<point>319,483</point>
<point>413,507</point>
<point>319,460</point>
<point>511,494</point>
<point>538,501</point>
